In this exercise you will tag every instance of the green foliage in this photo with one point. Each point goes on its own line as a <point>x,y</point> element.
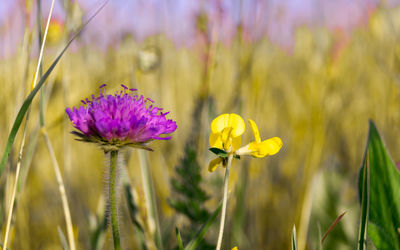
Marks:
<point>179,239</point>
<point>190,197</point>
<point>197,241</point>
<point>384,205</point>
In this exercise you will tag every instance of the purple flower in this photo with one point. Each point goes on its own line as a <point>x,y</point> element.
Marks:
<point>123,119</point>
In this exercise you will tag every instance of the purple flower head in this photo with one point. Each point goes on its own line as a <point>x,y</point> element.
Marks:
<point>123,119</point>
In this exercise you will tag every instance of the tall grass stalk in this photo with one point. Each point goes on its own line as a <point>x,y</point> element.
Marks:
<point>11,209</point>
<point>60,182</point>
<point>306,213</point>
<point>154,223</point>
<point>43,44</point>
<point>14,191</point>
<point>132,200</point>
<point>224,202</point>
<point>61,187</point>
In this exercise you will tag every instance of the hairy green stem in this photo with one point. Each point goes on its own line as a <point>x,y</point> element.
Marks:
<point>225,201</point>
<point>113,199</point>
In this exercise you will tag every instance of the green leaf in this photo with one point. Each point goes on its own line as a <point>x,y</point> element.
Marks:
<point>179,238</point>
<point>294,238</point>
<point>195,242</point>
<point>219,152</point>
<point>27,103</point>
<point>384,206</point>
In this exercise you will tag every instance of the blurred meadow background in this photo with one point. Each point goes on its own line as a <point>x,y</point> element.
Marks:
<point>312,72</point>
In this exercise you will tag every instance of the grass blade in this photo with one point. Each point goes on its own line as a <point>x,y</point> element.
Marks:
<point>133,210</point>
<point>332,226</point>
<point>195,242</point>
<point>319,245</point>
<point>179,238</point>
<point>61,188</point>
<point>364,184</point>
<point>27,103</point>
<point>149,193</point>
<point>39,64</point>
<point>98,234</point>
<point>63,239</point>
<point>294,238</point>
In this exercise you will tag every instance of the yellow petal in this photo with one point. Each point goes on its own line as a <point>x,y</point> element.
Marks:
<point>235,248</point>
<point>219,123</point>
<point>236,142</point>
<point>233,121</point>
<point>267,147</point>
<point>254,148</point>
<point>237,124</point>
<point>254,128</point>
<point>215,141</point>
<point>226,135</point>
<point>214,164</point>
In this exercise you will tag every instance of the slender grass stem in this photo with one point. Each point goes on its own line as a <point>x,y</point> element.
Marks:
<point>60,182</point>
<point>149,194</point>
<point>131,198</point>
<point>42,47</point>
<point>224,202</point>
<point>14,191</point>
<point>61,187</point>
<point>113,199</point>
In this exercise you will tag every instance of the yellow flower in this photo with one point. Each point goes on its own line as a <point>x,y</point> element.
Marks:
<point>259,148</point>
<point>235,248</point>
<point>226,130</point>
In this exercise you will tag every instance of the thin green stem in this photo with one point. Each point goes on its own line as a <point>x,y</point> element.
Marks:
<point>113,199</point>
<point>225,201</point>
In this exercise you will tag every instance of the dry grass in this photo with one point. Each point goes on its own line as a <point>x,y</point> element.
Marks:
<point>316,98</point>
